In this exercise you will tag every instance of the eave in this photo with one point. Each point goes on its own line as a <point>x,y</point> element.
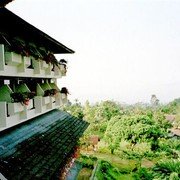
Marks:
<point>3,3</point>
<point>14,26</point>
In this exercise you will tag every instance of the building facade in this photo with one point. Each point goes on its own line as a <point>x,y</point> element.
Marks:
<point>28,71</point>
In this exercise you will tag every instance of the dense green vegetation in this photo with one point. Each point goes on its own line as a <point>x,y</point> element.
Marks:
<point>135,141</point>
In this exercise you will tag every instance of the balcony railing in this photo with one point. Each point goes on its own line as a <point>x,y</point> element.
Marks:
<point>17,65</point>
<point>13,113</point>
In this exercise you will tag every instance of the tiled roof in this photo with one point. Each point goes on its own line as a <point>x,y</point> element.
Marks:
<point>170,117</point>
<point>37,148</point>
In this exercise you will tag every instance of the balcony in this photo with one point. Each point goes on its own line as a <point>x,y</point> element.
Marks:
<point>14,112</point>
<point>17,65</point>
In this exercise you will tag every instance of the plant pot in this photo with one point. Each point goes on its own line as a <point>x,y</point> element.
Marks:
<point>62,69</point>
<point>49,69</point>
<point>13,59</point>
<point>26,102</point>
<point>14,108</point>
<point>46,100</point>
<point>44,65</point>
<point>29,104</point>
<point>63,96</point>
<point>36,65</point>
<point>53,99</point>
<point>27,61</point>
<point>57,71</point>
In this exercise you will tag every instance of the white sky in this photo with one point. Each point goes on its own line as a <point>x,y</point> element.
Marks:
<point>125,50</point>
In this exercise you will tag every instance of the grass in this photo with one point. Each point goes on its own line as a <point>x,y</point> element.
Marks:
<point>84,174</point>
<point>121,169</point>
<point>126,177</point>
<point>106,170</point>
<point>123,164</point>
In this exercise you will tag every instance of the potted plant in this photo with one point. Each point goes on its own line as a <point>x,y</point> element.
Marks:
<point>53,92</point>
<point>34,52</point>
<point>16,51</point>
<point>64,92</point>
<point>50,58</point>
<point>23,98</point>
<point>50,92</point>
<point>63,66</point>
<point>19,47</point>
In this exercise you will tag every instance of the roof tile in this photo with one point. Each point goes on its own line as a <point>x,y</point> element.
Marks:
<point>36,149</point>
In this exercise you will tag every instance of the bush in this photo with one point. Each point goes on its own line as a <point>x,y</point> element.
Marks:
<point>104,150</point>
<point>106,171</point>
<point>142,148</point>
<point>130,154</point>
<point>138,151</point>
<point>170,147</point>
<point>87,161</point>
<point>143,174</point>
<point>164,169</point>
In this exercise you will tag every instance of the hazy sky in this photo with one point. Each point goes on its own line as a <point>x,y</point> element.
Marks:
<point>125,50</point>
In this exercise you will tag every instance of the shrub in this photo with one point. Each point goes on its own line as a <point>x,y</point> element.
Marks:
<point>165,168</point>
<point>87,161</point>
<point>144,174</point>
<point>106,171</point>
<point>142,148</point>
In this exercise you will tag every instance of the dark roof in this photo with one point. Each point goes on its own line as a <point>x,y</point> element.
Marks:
<point>4,2</point>
<point>14,26</point>
<point>38,148</point>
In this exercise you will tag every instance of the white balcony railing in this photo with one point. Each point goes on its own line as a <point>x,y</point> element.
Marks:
<point>15,113</point>
<point>13,64</point>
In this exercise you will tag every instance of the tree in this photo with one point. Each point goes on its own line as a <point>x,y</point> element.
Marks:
<point>154,100</point>
<point>134,129</point>
<point>75,109</point>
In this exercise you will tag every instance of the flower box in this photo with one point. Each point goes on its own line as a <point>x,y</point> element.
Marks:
<point>12,58</point>
<point>44,65</point>
<point>62,69</point>
<point>49,69</point>
<point>14,108</point>
<point>63,96</point>
<point>53,99</point>
<point>36,65</point>
<point>30,104</point>
<point>46,100</point>
<point>57,71</point>
<point>27,61</point>
<point>58,100</point>
<point>38,104</point>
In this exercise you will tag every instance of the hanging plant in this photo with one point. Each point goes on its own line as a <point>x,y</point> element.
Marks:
<point>64,90</point>
<point>63,62</point>
<point>50,58</point>
<point>50,92</point>
<point>53,92</point>
<point>35,52</point>
<point>23,98</point>
<point>19,47</point>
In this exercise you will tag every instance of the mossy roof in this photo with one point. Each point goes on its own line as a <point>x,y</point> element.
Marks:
<point>38,148</point>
